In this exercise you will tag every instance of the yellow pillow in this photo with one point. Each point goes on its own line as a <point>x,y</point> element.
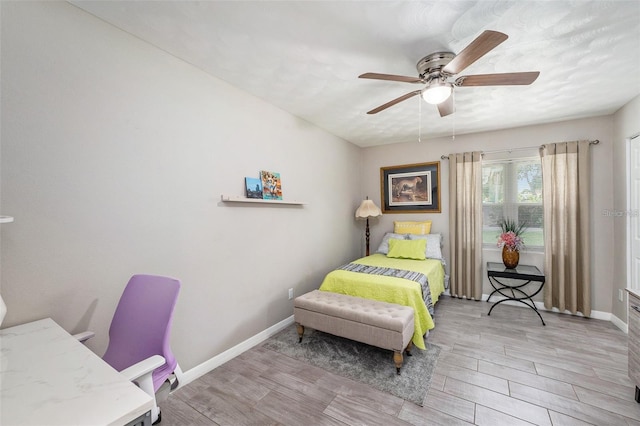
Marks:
<point>417,228</point>
<point>407,249</point>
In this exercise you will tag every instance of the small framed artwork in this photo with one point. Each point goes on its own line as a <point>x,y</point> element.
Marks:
<point>253,187</point>
<point>271,185</point>
<point>411,188</point>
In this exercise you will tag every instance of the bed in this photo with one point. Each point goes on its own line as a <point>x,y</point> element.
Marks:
<point>409,279</point>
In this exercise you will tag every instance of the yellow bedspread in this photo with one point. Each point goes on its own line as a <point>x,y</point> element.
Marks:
<point>392,289</point>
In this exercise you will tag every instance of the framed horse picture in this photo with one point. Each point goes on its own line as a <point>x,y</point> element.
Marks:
<point>410,188</point>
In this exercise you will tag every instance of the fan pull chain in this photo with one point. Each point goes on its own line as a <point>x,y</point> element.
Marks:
<point>419,119</point>
<point>453,134</point>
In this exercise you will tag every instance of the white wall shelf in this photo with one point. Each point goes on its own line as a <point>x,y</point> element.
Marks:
<point>229,199</point>
<point>6,219</point>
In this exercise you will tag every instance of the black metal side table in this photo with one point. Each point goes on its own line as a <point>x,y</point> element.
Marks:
<point>515,292</point>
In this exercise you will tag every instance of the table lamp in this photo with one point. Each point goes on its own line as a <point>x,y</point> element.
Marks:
<point>366,210</point>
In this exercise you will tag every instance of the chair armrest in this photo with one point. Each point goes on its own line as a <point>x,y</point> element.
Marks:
<point>85,335</point>
<point>141,374</point>
<point>143,367</point>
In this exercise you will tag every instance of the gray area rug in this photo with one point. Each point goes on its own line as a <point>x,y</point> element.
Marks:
<point>363,363</point>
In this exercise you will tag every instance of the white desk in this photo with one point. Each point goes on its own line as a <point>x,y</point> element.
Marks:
<point>47,377</point>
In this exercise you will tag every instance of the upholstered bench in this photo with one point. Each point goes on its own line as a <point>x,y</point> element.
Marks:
<point>381,324</point>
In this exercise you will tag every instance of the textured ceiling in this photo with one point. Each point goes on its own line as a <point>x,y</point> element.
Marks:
<point>305,57</point>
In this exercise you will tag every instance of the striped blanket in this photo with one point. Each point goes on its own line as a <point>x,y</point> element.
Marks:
<point>418,277</point>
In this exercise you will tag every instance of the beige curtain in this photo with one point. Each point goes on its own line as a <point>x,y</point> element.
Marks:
<point>566,192</point>
<point>465,224</point>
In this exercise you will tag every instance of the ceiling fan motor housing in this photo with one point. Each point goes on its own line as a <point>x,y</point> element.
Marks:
<point>430,67</point>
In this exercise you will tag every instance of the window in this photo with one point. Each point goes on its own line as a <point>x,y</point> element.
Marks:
<point>512,189</point>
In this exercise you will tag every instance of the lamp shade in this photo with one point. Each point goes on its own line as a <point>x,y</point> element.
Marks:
<point>436,93</point>
<point>368,209</point>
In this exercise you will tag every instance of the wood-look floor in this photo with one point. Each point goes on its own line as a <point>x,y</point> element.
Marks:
<point>506,369</point>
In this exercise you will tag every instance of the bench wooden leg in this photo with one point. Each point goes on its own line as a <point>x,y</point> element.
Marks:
<point>300,329</point>
<point>397,359</point>
<point>409,347</point>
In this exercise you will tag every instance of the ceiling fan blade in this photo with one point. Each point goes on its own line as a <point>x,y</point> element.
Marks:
<point>479,47</point>
<point>395,101</point>
<point>446,108</point>
<point>506,79</point>
<point>390,77</point>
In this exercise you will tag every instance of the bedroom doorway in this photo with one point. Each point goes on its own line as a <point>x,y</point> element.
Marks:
<point>633,213</point>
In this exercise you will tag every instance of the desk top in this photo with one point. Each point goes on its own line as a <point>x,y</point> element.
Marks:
<point>526,272</point>
<point>48,377</point>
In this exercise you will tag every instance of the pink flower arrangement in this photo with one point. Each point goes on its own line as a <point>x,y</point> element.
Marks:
<point>511,241</point>
<point>510,237</point>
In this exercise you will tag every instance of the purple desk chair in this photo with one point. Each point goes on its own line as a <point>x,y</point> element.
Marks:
<point>139,335</point>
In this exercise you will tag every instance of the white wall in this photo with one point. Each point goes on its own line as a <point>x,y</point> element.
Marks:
<point>114,157</point>
<point>626,124</point>
<point>531,136</point>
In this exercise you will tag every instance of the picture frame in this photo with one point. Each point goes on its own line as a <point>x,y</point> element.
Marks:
<point>411,188</point>
<point>253,187</point>
<point>271,185</point>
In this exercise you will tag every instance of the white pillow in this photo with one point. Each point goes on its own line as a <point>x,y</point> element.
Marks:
<point>383,248</point>
<point>434,245</point>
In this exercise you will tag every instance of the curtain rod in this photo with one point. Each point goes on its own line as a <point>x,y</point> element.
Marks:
<point>446,157</point>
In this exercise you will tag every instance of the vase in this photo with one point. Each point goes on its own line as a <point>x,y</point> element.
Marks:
<point>510,257</point>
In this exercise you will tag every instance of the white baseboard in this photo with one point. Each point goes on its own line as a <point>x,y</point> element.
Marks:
<point>606,316</point>
<point>540,306</point>
<point>202,369</point>
<point>619,323</point>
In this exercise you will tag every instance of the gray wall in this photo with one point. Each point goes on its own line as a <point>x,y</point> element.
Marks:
<point>531,136</point>
<point>114,157</point>
<point>626,124</point>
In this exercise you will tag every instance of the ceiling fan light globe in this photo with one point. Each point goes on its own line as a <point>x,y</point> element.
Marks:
<point>436,93</point>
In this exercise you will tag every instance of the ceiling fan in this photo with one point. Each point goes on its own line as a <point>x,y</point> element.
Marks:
<point>435,69</point>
